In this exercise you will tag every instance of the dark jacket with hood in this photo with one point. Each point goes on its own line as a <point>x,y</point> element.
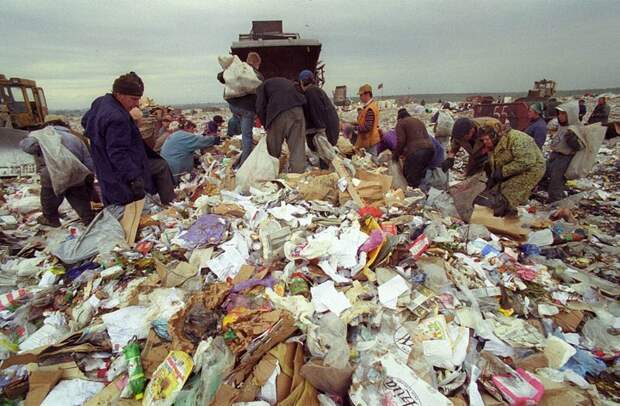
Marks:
<point>600,114</point>
<point>320,113</point>
<point>275,96</point>
<point>119,154</point>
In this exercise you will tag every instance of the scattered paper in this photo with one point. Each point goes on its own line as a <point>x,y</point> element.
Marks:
<point>325,297</point>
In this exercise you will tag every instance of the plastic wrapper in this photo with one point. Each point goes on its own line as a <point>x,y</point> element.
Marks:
<point>329,341</point>
<point>216,363</point>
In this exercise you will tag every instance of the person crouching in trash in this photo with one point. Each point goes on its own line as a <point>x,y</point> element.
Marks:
<point>514,168</point>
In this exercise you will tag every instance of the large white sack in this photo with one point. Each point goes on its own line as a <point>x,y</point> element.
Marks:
<point>240,77</point>
<point>259,166</point>
<point>584,160</point>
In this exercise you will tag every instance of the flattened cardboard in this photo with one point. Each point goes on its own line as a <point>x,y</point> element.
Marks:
<point>500,225</point>
<point>41,383</point>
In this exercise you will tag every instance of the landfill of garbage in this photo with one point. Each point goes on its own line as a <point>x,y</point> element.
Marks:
<point>262,288</point>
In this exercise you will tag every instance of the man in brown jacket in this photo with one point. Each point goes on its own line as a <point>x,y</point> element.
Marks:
<point>415,145</point>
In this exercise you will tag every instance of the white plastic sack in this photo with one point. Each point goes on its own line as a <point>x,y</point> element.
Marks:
<point>398,179</point>
<point>239,76</point>
<point>584,160</point>
<point>445,122</point>
<point>259,166</point>
<point>65,169</point>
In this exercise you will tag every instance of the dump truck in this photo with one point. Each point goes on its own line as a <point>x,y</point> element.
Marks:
<point>22,104</point>
<point>283,54</point>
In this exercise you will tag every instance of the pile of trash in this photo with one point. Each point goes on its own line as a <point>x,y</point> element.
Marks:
<point>326,288</point>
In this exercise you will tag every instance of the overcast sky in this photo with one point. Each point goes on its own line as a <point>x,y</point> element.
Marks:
<point>75,49</point>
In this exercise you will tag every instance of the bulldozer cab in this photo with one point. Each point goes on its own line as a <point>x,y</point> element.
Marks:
<point>22,104</point>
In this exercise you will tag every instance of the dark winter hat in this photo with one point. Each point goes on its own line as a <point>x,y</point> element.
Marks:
<point>218,119</point>
<point>129,84</point>
<point>402,113</point>
<point>461,127</point>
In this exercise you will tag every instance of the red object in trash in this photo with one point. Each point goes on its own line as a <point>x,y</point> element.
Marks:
<point>370,211</point>
<point>257,123</point>
<point>389,229</point>
<point>419,246</point>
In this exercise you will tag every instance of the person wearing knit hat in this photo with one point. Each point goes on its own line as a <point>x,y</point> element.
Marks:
<point>322,121</point>
<point>368,134</point>
<point>466,135</point>
<point>538,127</point>
<point>125,166</point>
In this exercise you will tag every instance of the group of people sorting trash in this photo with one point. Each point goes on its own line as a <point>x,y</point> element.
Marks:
<point>131,155</point>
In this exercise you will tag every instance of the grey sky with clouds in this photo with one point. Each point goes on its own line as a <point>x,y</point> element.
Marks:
<point>75,49</point>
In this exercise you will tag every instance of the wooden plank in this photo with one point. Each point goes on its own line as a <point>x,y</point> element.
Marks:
<point>131,220</point>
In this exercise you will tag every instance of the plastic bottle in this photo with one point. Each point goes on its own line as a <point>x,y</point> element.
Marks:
<point>137,381</point>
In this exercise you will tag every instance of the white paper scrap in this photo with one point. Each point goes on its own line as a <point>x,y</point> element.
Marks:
<point>326,297</point>
<point>391,290</point>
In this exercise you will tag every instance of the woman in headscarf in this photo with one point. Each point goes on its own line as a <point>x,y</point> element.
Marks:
<point>515,167</point>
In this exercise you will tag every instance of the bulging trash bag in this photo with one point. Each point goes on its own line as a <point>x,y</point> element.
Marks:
<point>65,169</point>
<point>584,160</point>
<point>445,122</point>
<point>258,167</point>
<point>240,77</point>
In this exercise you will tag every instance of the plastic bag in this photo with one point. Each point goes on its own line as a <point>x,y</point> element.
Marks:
<point>398,179</point>
<point>239,76</point>
<point>65,169</point>
<point>259,166</point>
<point>101,235</point>
<point>584,160</point>
<point>216,362</point>
<point>329,341</point>
<point>436,178</point>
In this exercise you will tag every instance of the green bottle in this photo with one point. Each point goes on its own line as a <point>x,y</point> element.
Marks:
<point>137,381</point>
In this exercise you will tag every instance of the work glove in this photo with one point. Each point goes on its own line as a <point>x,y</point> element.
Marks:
<point>447,164</point>
<point>89,180</point>
<point>137,188</point>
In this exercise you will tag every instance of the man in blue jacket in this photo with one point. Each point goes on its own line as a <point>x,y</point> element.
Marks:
<point>125,166</point>
<point>538,127</point>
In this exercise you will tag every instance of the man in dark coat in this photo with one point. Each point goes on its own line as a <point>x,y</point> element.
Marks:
<point>600,113</point>
<point>279,107</point>
<point>321,116</point>
<point>125,167</point>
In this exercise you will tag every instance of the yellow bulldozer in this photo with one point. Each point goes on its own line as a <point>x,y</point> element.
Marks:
<point>22,104</point>
<point>22,109</point>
